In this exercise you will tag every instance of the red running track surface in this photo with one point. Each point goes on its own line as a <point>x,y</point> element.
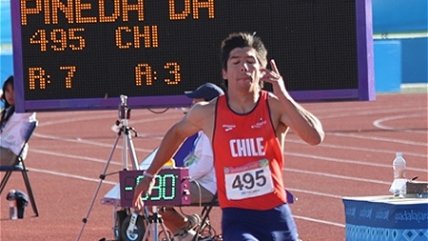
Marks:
<point>69,150</point>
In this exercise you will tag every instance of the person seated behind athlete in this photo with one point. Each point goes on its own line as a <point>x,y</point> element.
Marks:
<point>13,126</point>
<point>201,171</point>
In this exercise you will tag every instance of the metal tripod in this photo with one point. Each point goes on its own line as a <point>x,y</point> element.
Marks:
<point>155,219</point>
<point>126,132</point>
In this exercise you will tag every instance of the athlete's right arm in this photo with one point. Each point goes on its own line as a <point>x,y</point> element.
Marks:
<point>168,146</point>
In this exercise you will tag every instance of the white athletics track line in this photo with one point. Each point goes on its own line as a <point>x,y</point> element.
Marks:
<point>99,160</point>
<point>380,123</point>
<point>374,138</point>
<point>139,119</point>
<point>330,114</point>
<point>374,109</point>
<point>364,149</point>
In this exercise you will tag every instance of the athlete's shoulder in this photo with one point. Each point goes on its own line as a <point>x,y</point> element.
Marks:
<point>201,111</point>
<point>204,105</point>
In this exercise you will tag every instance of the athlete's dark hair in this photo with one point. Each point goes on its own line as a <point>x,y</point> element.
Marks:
<point>242,40</point>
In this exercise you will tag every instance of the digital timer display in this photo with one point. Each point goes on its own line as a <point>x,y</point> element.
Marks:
<point>84,54</point>
<point>171,187</point>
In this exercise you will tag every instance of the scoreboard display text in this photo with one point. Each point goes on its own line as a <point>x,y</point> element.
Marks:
<point>84,54</point>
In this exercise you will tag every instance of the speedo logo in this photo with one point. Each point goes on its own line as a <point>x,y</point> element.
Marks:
<point>228,127</point>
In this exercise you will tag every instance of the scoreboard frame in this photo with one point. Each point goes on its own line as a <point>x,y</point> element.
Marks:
<point>166,95</point>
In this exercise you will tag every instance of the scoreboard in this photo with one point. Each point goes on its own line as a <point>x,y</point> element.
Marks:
<point>84,54</point>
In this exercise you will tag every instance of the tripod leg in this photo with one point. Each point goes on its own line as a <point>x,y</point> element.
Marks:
<point>132,152</point>
<point>165,230</point>
<point>147,233</point>
<point>153,226</point>
<point>85,219</point>
<point>156,221</point>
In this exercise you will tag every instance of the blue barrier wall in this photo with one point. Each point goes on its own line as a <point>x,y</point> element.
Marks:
<point>387,61</point>
<point>414,60</point>
<point>405,21</point>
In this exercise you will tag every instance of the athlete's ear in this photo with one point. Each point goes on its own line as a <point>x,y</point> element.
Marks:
<point>224,73</point>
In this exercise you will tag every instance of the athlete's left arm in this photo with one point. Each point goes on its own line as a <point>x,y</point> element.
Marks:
<point>291,113</point>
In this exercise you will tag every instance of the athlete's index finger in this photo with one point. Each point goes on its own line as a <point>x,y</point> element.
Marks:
<point>273,65</point>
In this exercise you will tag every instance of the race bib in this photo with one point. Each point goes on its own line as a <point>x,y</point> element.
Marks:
<point>250,180</point>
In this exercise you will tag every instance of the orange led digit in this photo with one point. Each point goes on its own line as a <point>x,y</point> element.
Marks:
<point>173,15</point>
<point>25,10</point>
<point>149,34</point>
<point>36,74</point>
<point>115,14</point>
<point>143,71</point>
<point>76,39</point>
<point>39,37</point>
<point>70,74</point>
<point>197,4</point>
<point>121,32</point>
<point>139,7</point>
<point>174,70</point>
<point>80,7</point>
<point>59,39</point>
<point>67,9</point>
<point>155,36</point>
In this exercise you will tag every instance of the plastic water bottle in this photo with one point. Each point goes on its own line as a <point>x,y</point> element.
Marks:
<point>399,166</point>
<point>13,209</point>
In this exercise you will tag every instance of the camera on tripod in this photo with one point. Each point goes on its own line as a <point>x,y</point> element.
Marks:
<point>124,114</point>
<point>124,111</point>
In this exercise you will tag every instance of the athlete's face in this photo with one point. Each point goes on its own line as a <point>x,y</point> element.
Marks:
<point>243,68</point>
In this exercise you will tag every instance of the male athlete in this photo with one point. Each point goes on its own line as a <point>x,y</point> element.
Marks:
<point>247,128</point>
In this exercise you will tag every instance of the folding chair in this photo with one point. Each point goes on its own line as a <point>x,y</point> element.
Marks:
<point>19,166</point>
<point>205,228</point>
